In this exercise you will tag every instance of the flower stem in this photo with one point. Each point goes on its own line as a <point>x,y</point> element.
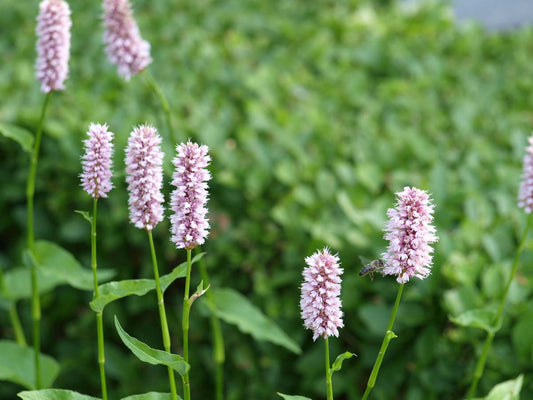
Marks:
<point>162,315</point>
<point>185,327</point>
<point>328,372</point>
<point>30,191</point>
<point>480,366</point>
<point>164,104</point>
<point>389,335</point>
<point>99,316</point>
<point>13,315</point>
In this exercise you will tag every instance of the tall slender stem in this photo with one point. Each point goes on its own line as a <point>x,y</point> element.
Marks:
<point>99,316</point>
<point>389,335</point>
<point>13,315</point>
<point>164,104</point>
<point>185,327</point>
<point>30,191</point>
<point>329,385</point>
<point>480,366</point>
<point>162,315</point>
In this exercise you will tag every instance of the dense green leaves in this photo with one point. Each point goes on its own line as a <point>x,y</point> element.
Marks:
<point>480,318</point>
<point>54,394</point>
<point>16,365</point>
<point>509,390</point>
<point>19,135</point>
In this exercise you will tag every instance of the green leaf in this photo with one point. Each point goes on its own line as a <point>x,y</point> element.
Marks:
<point>236,309</point>
<point>55,261</point>
<point>199,291</point>
<point>85,215</point>
<point>19,135</point>
<point>17,365</point>
<point>293,397</point>
<point>337,365</point>
<point>54,394</point>
<point>482,318</point>
<point>150,396</point>
<point>18,283</point>
<point>508,390</point>
<point>152,356</point>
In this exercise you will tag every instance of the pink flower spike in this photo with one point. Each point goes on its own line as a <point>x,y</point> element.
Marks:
<point>96,175</point>
<point>525,194</point>
<point>144,160</point>
<point>124,44</point>
<point>189,225</point>
<point>53,44</point>
<point>320,302</point>
<point>410,233</point>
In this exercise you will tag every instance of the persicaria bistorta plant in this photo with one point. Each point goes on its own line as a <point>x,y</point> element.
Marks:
<point>96,175</point>
<point>525,194</point>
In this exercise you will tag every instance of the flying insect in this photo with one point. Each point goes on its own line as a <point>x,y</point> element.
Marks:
<point>372,267</point>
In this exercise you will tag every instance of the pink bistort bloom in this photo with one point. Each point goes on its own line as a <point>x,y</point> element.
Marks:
<point>410,233</point>
<point>320,302</point>
<point>124,44</point>
<point>53,44</point>
<point>144,160</point>
<point>525,194</point>
<point>189,223</point>
<point>96,175</point>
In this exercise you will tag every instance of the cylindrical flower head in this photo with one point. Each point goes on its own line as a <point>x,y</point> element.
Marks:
<point>144,175</point>
<point>53,44</point>
<point>124,44</point>
<point>189,223</point>
<point>96,175</point>
<point>525,195</point>
<point>410,233</point>
<point>320,302</point>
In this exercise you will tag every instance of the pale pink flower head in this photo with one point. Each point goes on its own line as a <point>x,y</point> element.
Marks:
<point>189,225</point>
<point>525,194</point>
<point>53,44</point>
<point>96,175</point>
<point>320,302</point>
<point>124,44</point>
<point>410,233</point>
<point>144,175</point>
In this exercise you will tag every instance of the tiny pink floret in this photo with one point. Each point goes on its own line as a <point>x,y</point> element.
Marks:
<point>96,175</point>
<point>320,302</point>
<point>144,175</point>
<point>525,194</point>
<point>410,233</point>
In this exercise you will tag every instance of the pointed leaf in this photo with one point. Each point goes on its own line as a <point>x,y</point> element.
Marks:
<point>54,394</point>
<point>236,309</point>
<point>85,215</point>
<point>20,135</point>
<point>18,283</point>
<point>17,365</point>
<point>479,318</point>
<point>293,397</point>
<point>152,356</point>
<point>337,365</point>
<point>199,291</point>
<point>150,396</point>
<point>508,390</point>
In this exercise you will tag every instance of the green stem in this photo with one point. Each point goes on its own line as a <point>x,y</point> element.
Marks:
<point>480,366</point>
<point>13,315</point>
<point>164,104</point>
<point>328,372</point>
<point>216,330</point>
<point>185,327</point>
<point>389,335</point>
<point>99,315</point>
<point>30,191</point>
<point>162,315</point>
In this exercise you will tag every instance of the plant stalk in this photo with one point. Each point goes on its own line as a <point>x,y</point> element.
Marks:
<point>329,385</point>
<point>13,315</point>
<point>185,327</point>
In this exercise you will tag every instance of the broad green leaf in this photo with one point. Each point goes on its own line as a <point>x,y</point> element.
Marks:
<point>19,135</point>
<point>150,396</point>
<point>85,215</point>
<point>236,309</point>
<point>55,261</point>
<point>482,318</point>
<point>152,356</point>
<point>293,397</point>
<point>54,394</point>
<point>508,390</point>
<point>337,365</point>
<point>18,283</point>
<point>17,365</point>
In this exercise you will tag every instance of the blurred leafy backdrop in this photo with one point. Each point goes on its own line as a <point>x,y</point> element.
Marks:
<point>315,113</point>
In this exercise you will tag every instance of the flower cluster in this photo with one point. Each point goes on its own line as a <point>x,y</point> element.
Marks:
<point>410,233</point>
<point>189,223</point>
<point>124,45</point>
<point>525,195</point>
<point>53,44</point>
<point>320,302</point>
<point>144,160</point>
<point>96,175</point>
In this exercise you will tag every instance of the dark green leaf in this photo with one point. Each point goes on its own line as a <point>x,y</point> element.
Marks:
<point>337,365</point>
<point>480,318</point>
<point>54,394</point>
<point>508,390</point>
<point>150,396</point>
<point>18,283</point>
<point>293,397</point>
<point>19,135</point>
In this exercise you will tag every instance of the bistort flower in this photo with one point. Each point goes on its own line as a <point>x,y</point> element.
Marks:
<point>410,233</point>
<point>124,44</point>
<point>144,160</point>
<point>189,223</point>
<point>96,175</point>
<point>525,194</point>
<point>320,302</point>
<point>53,44</point>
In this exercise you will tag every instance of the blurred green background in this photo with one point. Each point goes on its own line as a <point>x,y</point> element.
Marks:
<point>316,113</point>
